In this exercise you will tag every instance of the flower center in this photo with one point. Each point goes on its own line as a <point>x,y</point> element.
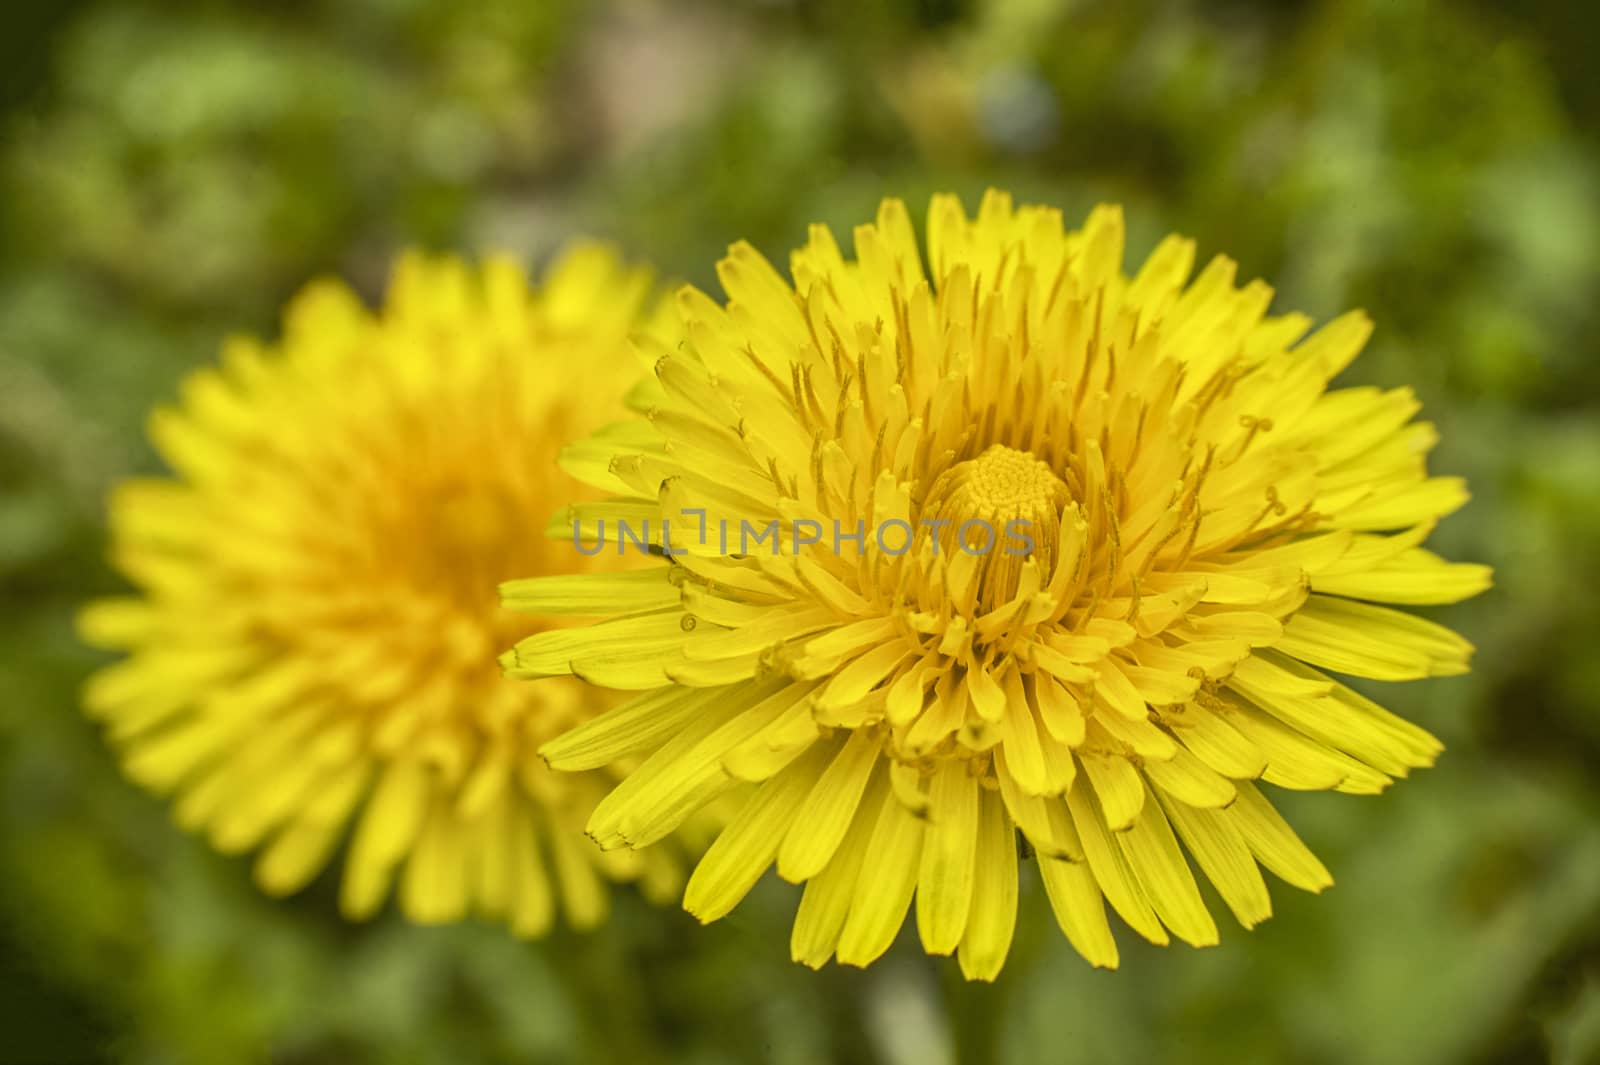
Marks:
<point>1003,507</point>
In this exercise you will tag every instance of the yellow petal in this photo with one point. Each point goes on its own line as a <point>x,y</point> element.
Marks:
<point>1416,577</point>
<point>641,723</point>
<point>1019,738</point>
<point>1110,868</point>
<point>391,821</point>
<point>583,896</point>
<point>646,639</point>
<point>1076,902</point>
<point>1058,710</point>
<point>885,885</point>
<point>850,686</point>
<point>829,809</point>
<point>949,856</point>
<point>1215,742</point>
<point>1117,785</point>
<point>433,888</point>
<point>1117,691</point>
<point>1044,821</point>
<point>993,915</point>
<point>1186,777</point>
<point>533,901</point>
<point>1224,857</point>
<point>1273,842</point>
<point>593,594</point>
<point>1157,862</point>
<point>686,772</point>
<point>1372,641</point>
<point>826,903</point>
<point>744,849</point>
<point>766,753</point>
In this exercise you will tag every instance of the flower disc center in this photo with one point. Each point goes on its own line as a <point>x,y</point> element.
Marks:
<point>1003,506</point>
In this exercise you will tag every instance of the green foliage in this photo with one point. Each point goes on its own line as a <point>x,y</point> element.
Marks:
<point>171,174</point>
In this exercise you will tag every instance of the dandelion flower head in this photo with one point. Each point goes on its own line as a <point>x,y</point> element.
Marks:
<point>1047,561</point>
<point>311,642</point>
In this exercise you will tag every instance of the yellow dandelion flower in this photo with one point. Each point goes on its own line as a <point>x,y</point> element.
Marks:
<point>1013,543</point>
<point>313,641</point>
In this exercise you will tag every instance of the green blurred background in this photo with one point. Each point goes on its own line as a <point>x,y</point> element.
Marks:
<point>172,172</point>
